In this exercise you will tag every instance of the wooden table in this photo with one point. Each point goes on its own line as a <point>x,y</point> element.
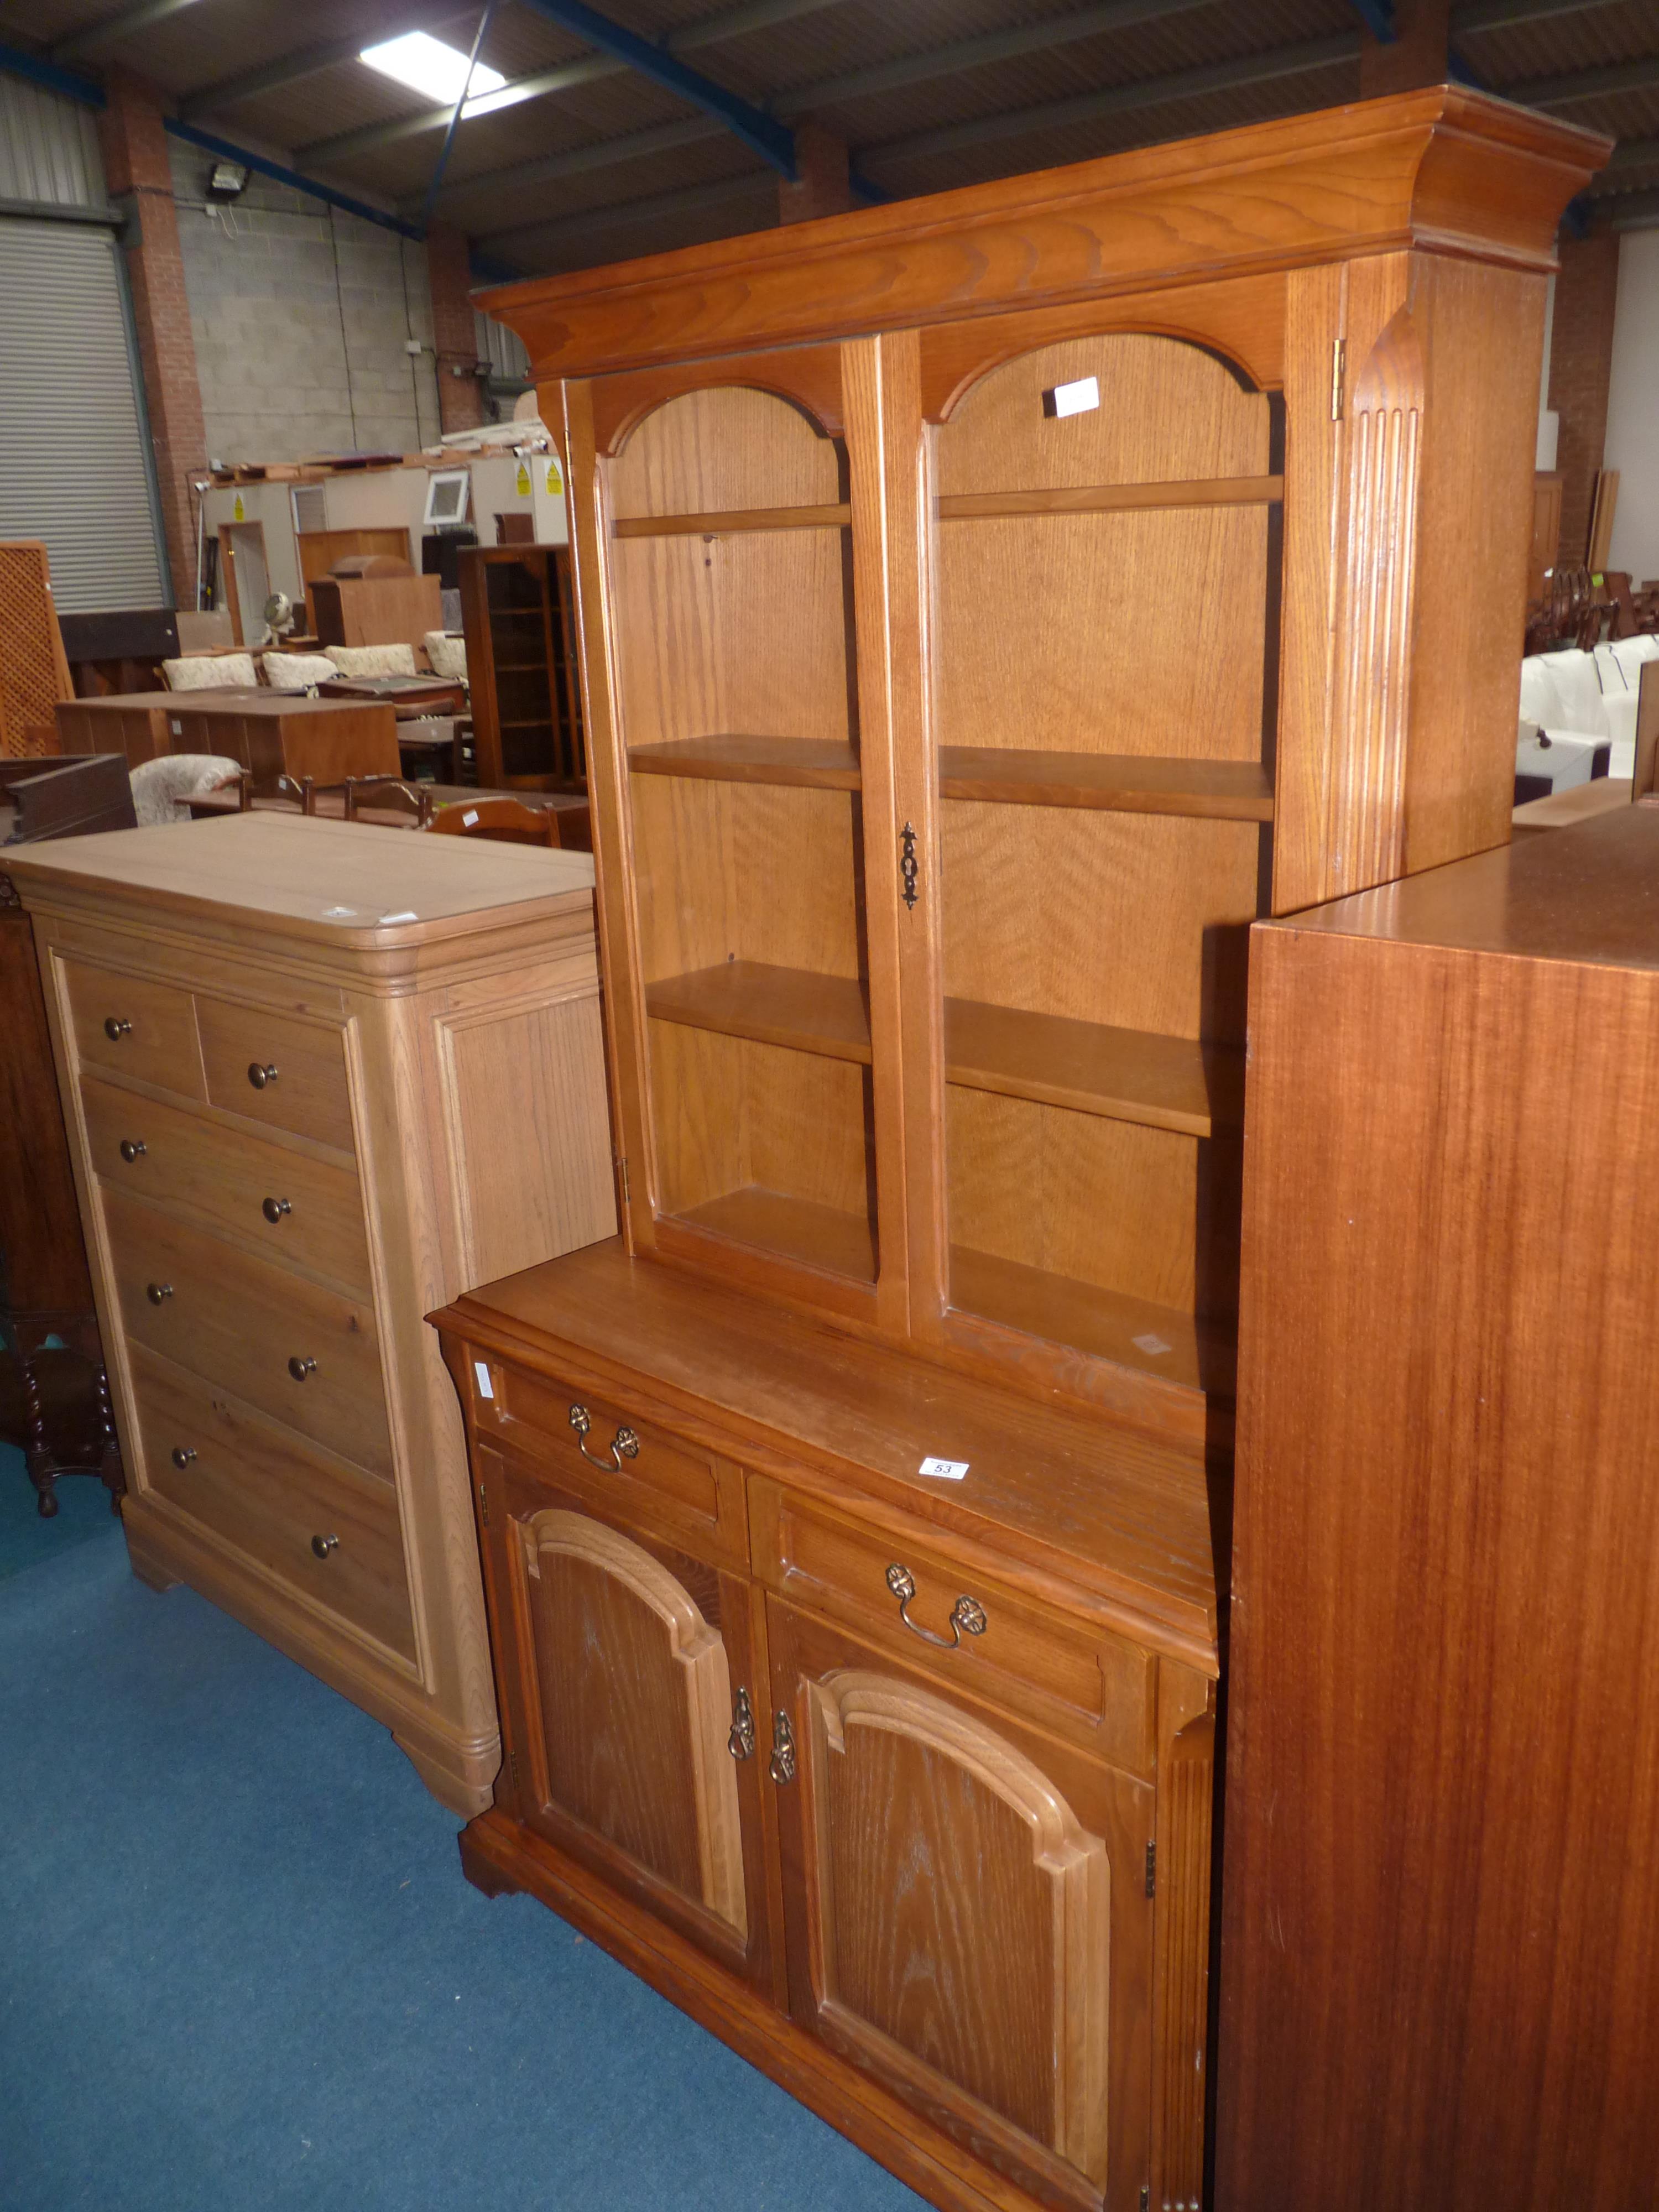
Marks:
<point>410,696</point>
<point>574,834</point>
<point>271,732</point>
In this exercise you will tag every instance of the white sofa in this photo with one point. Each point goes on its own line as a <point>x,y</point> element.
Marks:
<point>1587,696</point>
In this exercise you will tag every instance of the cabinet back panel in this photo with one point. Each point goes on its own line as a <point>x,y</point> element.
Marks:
<point>1136,920</point>
<point>726,447</point>
<point>1104,1202</point>
<point>746,872</point>
<point>745,633</point>
<point>730,1113</point>
<point>1121,633</point>
<point>1167,412</point>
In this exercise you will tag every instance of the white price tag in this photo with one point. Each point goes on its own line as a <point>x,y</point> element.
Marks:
<point>469,817</point>
<point>947,1470</point>
<point>1151,1346</point>
<point>1077,398</point>
<point>486,1387</point>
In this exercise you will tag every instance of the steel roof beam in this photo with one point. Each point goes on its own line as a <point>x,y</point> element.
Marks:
<point>1584,84</point>
<point>1377,17</point>
<point>1148,92</point>
<point>113,28</point>
<point>575,160</point>
<point>649,209</point>
<point>295,68</point>
<point>1501,15</point>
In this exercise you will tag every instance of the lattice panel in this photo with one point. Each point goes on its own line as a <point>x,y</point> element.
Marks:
<point>34,673</point>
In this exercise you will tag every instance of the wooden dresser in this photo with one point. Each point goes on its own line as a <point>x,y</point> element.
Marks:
<point>988,605</point>
<point>317,1080</point>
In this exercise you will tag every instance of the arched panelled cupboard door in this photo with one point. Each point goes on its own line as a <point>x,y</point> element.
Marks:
<point>631,1722</point>
<point>956,1896</point>
<point>1105,544</point>
<point>720,530</point>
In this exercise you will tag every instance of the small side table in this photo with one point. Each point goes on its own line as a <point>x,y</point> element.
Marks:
<point>69,1429</point>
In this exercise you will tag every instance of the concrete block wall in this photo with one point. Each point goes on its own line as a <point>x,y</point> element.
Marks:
<point>301,318</point>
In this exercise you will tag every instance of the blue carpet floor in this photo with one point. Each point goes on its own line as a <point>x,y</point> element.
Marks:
<point>26,1541</point>
<point>240,1971</point>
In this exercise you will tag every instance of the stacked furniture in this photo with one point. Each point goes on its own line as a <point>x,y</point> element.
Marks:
<point>1441,1938</point>
<point>319,1079</point>
<point>988,607</point>
<point>520,661</point>
<point>271,732</point>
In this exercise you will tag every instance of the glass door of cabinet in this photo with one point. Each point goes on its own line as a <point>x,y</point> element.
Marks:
<point>1105,535</point>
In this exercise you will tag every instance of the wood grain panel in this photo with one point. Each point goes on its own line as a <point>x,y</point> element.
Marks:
<point>723,446</point>
<point>833,517</point>
<point>1136,921</point>
<point>309,1092</point>
<point>820,764</point>
<point>237,1321</point>
<point>222,1178</point>
<point>635,1703</point>
<point>525,1112</point>
<point>157,1040</point>
<point>807,376</point>
<point>267,1495</point>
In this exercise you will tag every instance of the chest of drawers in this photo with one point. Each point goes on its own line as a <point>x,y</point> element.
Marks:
<point>316,1082</point>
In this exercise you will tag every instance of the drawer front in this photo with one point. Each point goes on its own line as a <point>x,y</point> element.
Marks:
<point>273,1068</point>
<point>301,1212</point>
<point>135,1027</point>
<point>323,1527</point>
<point>1094,1688</point>
<point>216,1309</point>
<point>692,1496</point>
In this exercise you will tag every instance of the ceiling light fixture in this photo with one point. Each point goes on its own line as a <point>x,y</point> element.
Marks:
<point>427,64</point>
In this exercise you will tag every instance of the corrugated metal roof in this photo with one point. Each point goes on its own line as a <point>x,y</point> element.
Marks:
<point>798,56</point>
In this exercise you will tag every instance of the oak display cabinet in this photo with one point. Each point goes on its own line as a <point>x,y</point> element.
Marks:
<point>526,712</point>
<point>988,607</point>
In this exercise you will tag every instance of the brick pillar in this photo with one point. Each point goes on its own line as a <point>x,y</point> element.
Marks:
<point>822,186</point>
<point>140,178</point>
<point>1417,55</point>
<point>1580,366</point>
<point>460,397</point>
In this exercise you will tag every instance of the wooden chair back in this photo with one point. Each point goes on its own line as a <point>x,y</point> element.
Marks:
<point>504,819</point>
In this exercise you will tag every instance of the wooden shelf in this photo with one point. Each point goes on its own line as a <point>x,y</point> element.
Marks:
<point>774,1006</point>
<point>743,518</point>
<point>1112,499</point>
<point>1126,1075</point>
<point>815,763</point>
<point>792,1228</point>
<point>1124,783</point>
<point>1104,1324</point>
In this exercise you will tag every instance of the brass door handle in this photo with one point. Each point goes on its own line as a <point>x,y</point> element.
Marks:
<point>182,1455</point>
<point>781,1764</point>
<point>133,1148</point>
<point>966,1614</point>
<point>259,1076</point>
<point>741,1740</point>
<point>623,1445</point>
<point>115,1029</point>
<point>323,1545</point>
<point>299,1368</point>
<point>158,1293</point>
<point>275,1209</point>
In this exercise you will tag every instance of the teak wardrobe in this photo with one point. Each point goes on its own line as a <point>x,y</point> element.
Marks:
<point>988,607</point>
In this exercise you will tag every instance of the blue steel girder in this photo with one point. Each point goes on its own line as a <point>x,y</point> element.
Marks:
<point>762,133</point>
<point>1377,17</point>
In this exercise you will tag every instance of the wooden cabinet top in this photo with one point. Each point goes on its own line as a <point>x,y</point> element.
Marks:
<point>1119,1516</point>
<point>344,885</point>
<point>1587,895</point>
<point>1446,170</point>
<point>226,699</point>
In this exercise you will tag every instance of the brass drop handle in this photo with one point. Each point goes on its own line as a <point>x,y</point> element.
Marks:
<point>323,1545</point>
<point>133,1148</point>
<point>781,1764</point>
<point>299,1368</point>
<point>182,1455</point>
<point>259,1076</point>
<point>741,1740</point>
<point>158,1293</point>
<point>623,1445</point>
<point>275,1209</point>
<point>966,1614</point>
<point>115,1029</point>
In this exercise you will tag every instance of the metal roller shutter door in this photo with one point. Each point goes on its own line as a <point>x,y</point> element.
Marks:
<point>74,468</point>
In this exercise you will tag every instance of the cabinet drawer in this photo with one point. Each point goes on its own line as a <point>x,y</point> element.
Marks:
<point>1093,1687</point>
<point>237,1321</point>
<point>273,1068</point>
<point>134,1026</point>
<point>227,1180</point>
<point>692,1495</point>
<point>275,1501</point>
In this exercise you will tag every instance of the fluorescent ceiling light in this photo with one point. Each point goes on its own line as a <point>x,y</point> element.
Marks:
<point>427,64</point>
